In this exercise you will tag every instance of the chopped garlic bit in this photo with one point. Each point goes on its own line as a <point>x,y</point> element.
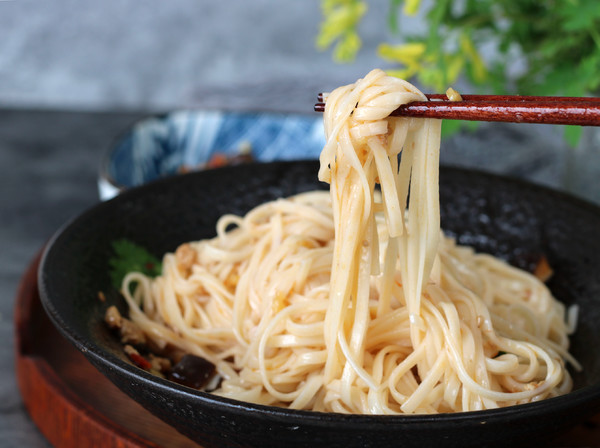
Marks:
<point>185,256</point>
<point>453,95</point>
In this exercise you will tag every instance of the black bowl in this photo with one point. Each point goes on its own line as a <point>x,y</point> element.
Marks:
<point>512,219</point>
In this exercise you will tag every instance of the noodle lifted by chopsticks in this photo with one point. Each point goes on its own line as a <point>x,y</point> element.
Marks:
<point>355,302</point>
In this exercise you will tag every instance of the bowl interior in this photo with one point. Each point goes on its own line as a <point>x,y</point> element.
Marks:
<point>511,219</point>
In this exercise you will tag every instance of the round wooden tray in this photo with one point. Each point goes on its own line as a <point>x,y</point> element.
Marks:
<point>74,406</point>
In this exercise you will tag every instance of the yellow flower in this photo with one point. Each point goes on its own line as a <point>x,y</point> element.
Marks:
<point>454,66</point>
<point>347,47</point>
<point>341,18</point>
<point>406,53</point>
<point>411,7</point>
<point>409,55</point>
<point>468,48</point>
<point>402,74</point>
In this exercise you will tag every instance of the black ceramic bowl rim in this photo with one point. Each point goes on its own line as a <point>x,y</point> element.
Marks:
<point>585,396</point>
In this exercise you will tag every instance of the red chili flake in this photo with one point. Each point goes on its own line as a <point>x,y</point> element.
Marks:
<point>217,161</point>
<point>136,358</point>
<point>140,361</point>
<point>543,270</point>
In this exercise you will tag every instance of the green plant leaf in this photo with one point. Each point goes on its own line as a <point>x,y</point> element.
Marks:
<point>130,257</point>
<point>393,15</point>
<point>556,44</point>
<point>573,135</point>
<point>581,15</point>
<point>450,127</point>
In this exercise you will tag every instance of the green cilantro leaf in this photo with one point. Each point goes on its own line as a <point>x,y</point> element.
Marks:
<point>129,257</point>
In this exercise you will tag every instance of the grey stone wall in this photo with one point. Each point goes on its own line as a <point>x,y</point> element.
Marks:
<point>164,54</point>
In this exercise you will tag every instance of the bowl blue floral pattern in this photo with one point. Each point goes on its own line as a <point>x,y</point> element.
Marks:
<point>159,146</point>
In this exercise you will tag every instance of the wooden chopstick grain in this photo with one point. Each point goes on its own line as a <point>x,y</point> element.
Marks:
<point>504,108</point>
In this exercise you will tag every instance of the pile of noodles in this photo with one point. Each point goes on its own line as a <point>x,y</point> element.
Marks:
<point>354,301</point>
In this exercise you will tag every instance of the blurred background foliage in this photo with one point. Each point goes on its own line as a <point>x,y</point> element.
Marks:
<point>526,47</point>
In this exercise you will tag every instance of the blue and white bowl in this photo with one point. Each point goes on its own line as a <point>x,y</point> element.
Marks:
<point>161,146</point>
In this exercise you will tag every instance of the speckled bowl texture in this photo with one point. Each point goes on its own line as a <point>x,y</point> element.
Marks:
<point>508,218</point>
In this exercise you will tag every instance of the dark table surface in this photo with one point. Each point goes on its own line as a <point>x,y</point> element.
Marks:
<point>48,171</point>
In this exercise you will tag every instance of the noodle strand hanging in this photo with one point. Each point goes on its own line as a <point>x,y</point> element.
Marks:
<point>354,301</point>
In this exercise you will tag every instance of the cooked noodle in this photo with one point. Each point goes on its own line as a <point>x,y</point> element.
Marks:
<point>354,301</point>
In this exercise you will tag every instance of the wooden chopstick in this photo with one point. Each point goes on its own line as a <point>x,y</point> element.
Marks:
<point>504,108</point>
